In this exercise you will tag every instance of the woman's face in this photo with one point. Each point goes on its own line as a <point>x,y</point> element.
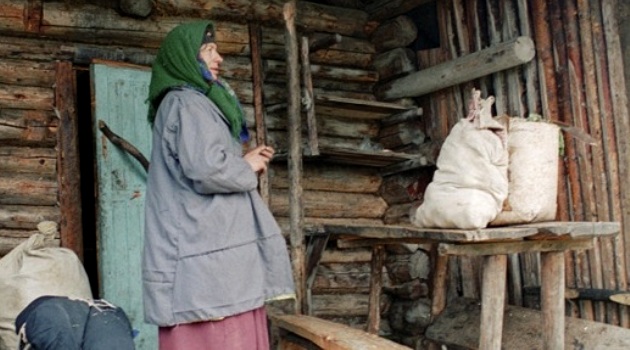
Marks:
<point>209,54</point>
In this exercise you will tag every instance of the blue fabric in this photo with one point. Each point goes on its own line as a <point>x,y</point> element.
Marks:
<point>60,323</point>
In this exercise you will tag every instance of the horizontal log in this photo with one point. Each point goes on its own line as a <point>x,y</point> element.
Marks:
<point>325,57</point>
<point>399,214</point>
<point>332,204</point>
<point>20,160</point>
<point>360,255</point>
<point>310,222</point>
<point>493,59</point>
<point>394,33</point>
<point>9,243</point>
<point>13,15</point>
<point>397,135</point>
<point>26,217</point>
<point>26,97</point>
<point>275,67</point>
<point>326,305</point>
<point>31,127</point>
<point>514,247</point>
<point>347,43</point>
<point>33,49</point>
<point>27,190</point>
<point>312,16</point>
<point>395,63</point>
<point>349,278</point>
<point>329,177</point>
<point>27,73</point>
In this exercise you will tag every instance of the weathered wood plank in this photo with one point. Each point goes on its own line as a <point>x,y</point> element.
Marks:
<point>32,127</point>
<point>18,160</point>
<point>26,97</point>
<point>27,190</point>
<point>333,336</point>
<point>514,247</point>
<point>69,176</point>
<point>26,217</point>
<point>295,202</point>
<point>27,73</point>
<point>332,204</point>
<point>330,177</point>
<point>478,64</point>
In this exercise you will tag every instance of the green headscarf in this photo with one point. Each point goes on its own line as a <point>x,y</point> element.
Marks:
<point>176,65</point>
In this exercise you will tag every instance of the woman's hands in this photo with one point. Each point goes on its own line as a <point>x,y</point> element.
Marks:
<point>259,158</point>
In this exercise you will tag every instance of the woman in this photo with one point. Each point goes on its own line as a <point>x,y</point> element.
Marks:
<point>213,252</point>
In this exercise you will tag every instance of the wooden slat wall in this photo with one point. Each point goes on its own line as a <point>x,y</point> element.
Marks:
<point>29,189</point>
<point>576,78</point>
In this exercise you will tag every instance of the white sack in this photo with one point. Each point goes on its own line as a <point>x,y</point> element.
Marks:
<point>533,173</point>
<point>470,183</point>
<point>32,270</point>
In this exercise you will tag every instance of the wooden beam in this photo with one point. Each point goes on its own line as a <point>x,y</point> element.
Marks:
<point>376,283</point>
<point>478,249</point>
<point>69,175</point>
<point>258,80</point>
<point>295,156</point>
<point>475,65</point>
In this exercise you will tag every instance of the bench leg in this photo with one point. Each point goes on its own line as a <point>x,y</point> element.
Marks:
<point>492,301</point>
<point>376,283</point>
<point>552,299</point>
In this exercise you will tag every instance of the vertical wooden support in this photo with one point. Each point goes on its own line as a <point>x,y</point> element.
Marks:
<point>311,122</point>
<point>376,283</point>
<point>439,285</point>
<point>68,167</point>
<point>552,300</point>
<point>295,156</point>
<point>492,301</point>
<point>255,45</point>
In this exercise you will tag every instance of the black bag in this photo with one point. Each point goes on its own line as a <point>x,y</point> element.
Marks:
<point>60,323</point>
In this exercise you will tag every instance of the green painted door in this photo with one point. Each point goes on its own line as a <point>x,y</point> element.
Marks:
<point>118,98</point>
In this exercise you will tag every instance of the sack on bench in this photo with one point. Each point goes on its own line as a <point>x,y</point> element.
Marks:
<point>470,183</point>
<point>532,172</point>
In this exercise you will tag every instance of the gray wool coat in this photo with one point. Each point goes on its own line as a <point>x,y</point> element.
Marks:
<point>212,247</point>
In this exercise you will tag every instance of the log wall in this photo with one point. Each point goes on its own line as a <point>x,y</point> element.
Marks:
<point>36,34</point>
<point>576,78</point>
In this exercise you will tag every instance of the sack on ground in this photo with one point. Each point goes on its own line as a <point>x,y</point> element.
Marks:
<point>33,269</point>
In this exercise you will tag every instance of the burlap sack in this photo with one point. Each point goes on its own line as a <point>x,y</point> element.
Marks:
<point>31,270</point>
<point>532,173</point>
<point>470,183</point>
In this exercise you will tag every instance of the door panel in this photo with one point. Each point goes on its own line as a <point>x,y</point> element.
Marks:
<point>118,97</point>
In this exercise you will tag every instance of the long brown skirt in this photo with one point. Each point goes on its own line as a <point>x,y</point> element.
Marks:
<point>246,331</point>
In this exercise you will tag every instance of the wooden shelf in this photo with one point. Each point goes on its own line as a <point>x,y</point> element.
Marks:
<point>357,108</point>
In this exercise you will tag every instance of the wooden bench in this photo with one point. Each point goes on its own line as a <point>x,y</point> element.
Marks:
<point>301,332</point>
<point>550,239</point>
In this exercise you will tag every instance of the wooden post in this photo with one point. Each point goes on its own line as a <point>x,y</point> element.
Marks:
<point>376,282</point>
<point>309,97</point>
<point>475,65</point>
<point>68,167</point>
<point>492,301</point>
<point>552,300</point>
<point>255,43</point>
<point>295,156</point>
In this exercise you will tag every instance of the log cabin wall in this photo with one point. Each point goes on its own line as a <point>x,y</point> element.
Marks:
<point>36,35</point>
<point>576,78</point>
